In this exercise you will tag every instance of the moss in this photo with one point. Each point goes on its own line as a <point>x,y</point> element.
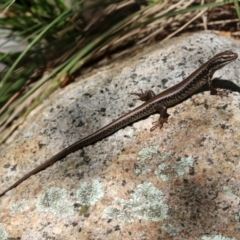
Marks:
<point>146,204</point>
<point>3,233</point>
<point>89,194</point>
<point>84,210</point>
<point>55,200</point>
<point>217,237</point>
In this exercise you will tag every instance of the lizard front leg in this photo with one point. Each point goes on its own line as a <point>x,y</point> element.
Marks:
<point>162,110</point>
<point>214,91</point>
<point>144,96</point>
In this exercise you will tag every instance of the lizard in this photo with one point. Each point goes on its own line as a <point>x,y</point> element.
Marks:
<point>152,104</point>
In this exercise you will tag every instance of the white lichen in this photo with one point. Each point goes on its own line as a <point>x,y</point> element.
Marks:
<point>217,237</point>
<point>236,219</point>
<point>148,154</point>
<point>228,191</point>
<point>55,200</point>
<point>89,194</point>
<point>18,207</point>
<point>165,155</point>
<point>170,229</point>
<point>167,171</point>
<point>182,164</point>
<point>147,203</point>
<point>3,233</point>
<point>162,172</point>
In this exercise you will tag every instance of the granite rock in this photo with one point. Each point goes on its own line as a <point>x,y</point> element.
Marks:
<point>180,182</point>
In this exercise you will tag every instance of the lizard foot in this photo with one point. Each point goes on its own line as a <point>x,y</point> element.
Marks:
<point>144,96</point>
<point>159,123</point>
<point>222,93</point>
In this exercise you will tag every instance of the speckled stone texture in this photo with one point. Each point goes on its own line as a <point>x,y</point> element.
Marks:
<point>180,182</point>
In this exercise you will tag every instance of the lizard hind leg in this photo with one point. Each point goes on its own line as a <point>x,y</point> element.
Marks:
<point>144,96</point>
<point>163,116</point>
<point>159,123</point>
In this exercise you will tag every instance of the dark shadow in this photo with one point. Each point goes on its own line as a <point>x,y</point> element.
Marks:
<point>222,84</point>
<point>216,83</point>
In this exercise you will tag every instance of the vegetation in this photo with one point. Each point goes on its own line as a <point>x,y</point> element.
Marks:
<point>59,41</point>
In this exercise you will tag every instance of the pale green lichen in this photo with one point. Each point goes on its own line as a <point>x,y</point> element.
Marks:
<point>3,233</point>
<point>236,219</point>
<point>161,172</point>
<point>167,171</point>
<point>228,191</point>
<point>217,237</point>
<point>146,204</point>
<point>89,194</point>
<point>55,200</point>
<point>182,164</point>
<point>18,207</point>
<point>165,155</point>
<point>234,190</point>
<point>147,154</point>
<point>170,229</point>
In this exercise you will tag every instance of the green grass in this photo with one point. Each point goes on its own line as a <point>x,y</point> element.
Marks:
<point>61,40</point>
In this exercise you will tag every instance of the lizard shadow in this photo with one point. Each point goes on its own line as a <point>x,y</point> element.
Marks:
<point>216,83</point>
<point>222,84</point>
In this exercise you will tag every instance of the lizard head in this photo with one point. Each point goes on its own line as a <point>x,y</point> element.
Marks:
<point>222,59</point>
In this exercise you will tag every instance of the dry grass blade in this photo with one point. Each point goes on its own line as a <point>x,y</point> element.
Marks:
<point>70,37</point>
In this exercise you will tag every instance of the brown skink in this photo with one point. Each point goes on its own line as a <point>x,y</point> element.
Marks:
<point>153,104</point>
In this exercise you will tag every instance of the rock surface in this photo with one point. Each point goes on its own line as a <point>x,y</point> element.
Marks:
<point>180,182</point>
